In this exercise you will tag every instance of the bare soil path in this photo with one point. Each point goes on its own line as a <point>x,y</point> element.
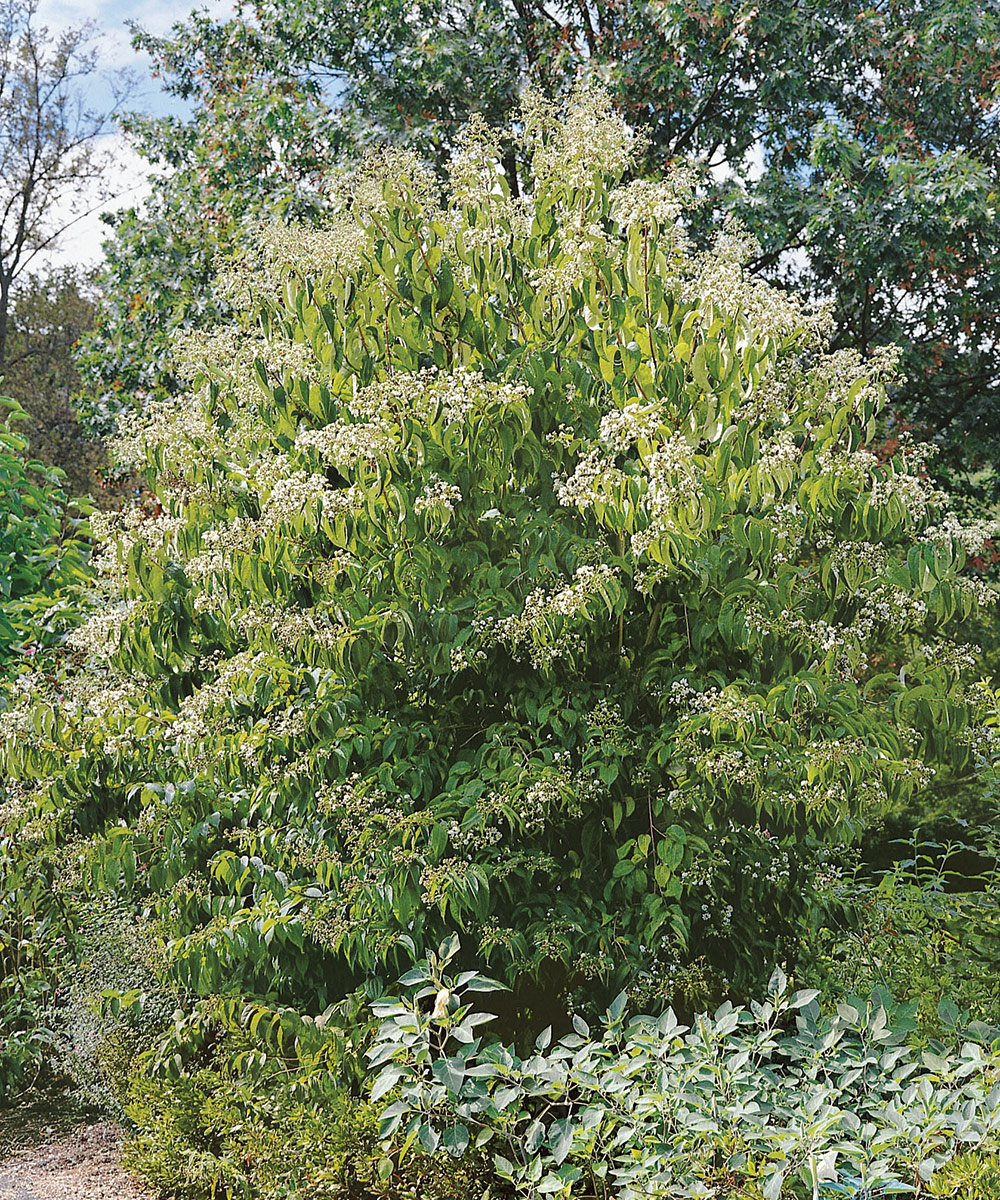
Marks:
<point>49,1151</point>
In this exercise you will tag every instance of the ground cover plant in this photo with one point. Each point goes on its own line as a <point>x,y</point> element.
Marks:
<point>739,1103</point>
<point>512,569</point>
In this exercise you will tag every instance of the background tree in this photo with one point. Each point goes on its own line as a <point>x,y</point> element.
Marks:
<point>50,311</point>
<point>261,144</point>
<point>50,163</point>
<point>859,144</point>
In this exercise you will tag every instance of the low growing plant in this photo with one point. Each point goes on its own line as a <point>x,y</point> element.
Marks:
<point>781,1096</point>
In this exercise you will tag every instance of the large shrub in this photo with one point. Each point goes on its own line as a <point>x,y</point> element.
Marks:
<point>512,570</point>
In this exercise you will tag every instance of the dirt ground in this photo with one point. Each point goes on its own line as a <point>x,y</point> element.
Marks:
<point>51,1148</point>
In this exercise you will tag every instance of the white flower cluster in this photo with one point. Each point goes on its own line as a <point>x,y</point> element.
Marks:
<point>972,536</point>
<point>981,593</point>
<point>431,395</point>
<point>438,495</point>
<point>785,518</point>
<point>983,740</point>
<point>674,479</point>
<point>286,491</point>
<point>916,493</point>
<point>682,695</point>
<point>622,428</point>
<point>100,635</point>
<point>593,478</point>
<point>607,719</point>
<point>466,839</point>
<point>535,804</point>
<point>261,267</point>
<point>778,452</point>
<point>291,496</point>
<point>723,282</point>
<point>951,657</point>
<point>290,626</point>
<point>119,531</point>
<point>478,182</point>
<point>476,171</point>
<point>358,809</point>
<point>887,607</point>
<point>342,444</point>
<point>835,377</point>
<point>730,764</point>
<point>15,725</point>
<point>530,631</point>
<point>737,707</point>
<point>543,795</point>
<point>870,555</point>
<point>391,178</point>
<point>589,141</point>
<point>855,467</point>
<point>176,423</point>
<point>570,260</point>
<point>219,545</point>
<point>134,523</point>
<point>229,354</point>
<point>767,401</point>
<point>643,201</point>
<point>197,717</point>
<point>463,658</point>
<point>673,472</point>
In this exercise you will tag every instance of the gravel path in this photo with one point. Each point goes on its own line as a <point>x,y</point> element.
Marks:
<point>82,1165</point>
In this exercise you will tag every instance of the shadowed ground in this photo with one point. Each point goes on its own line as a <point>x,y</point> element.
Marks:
<point>51,1148</point>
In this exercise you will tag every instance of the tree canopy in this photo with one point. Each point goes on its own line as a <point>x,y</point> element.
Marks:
<point>49,158</point>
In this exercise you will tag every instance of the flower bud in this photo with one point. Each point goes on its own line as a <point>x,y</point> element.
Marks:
<point>441,1005</point>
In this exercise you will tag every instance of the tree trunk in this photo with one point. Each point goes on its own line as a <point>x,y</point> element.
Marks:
<point>4,317</point>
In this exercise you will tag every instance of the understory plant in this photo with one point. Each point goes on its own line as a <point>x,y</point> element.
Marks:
<point>508,568</point>
<point>42,551</point>
<point>43,562</point>
<point>778,1100</point>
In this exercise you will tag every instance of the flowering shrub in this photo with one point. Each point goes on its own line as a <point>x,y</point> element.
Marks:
<point>510,568</point>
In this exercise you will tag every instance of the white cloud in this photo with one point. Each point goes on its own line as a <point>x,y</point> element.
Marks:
<point>81,244</point>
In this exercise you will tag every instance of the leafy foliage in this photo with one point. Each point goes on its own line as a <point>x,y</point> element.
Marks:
<point>921,929</point>
<point>49,313</point>
<point>280,1132</point>
<point>43,560</point>
<point>969,1177</point>
<point>259,145</point>
<point>41,551</point>
<point>739,1100</point>
<point>513,570</point>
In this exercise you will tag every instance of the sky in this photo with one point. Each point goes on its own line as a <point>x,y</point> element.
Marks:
<point>82,242</point>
